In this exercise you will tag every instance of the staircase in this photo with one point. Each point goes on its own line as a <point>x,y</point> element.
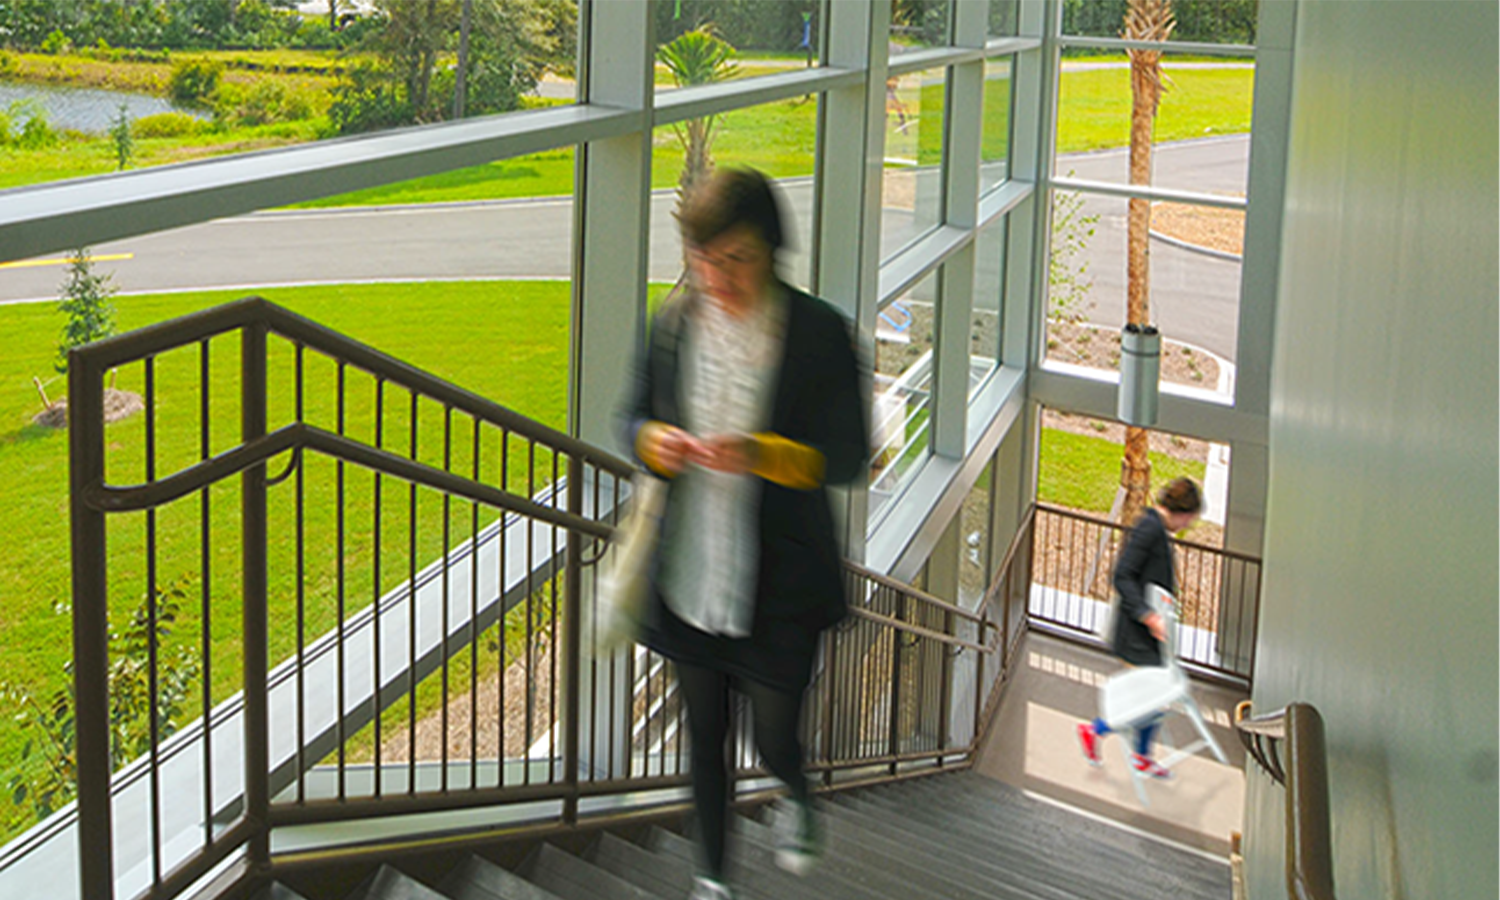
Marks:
<point>956,837</point>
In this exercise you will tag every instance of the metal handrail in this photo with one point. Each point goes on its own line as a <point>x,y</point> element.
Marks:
<point>914,593</point>
<point>1309,845</point>
<point>1100,520</point>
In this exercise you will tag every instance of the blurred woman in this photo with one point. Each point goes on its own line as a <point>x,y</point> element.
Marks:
<point>1140,630</point>
<point>748,399</point>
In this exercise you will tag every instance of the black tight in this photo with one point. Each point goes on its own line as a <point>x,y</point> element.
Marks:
<point>776,716</point>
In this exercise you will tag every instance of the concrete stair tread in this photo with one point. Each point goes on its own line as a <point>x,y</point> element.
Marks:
<point>390,883</point>
<point>276,891</point>
<point>665,876</point>
<point>479,879</point>
<point>574,878</point>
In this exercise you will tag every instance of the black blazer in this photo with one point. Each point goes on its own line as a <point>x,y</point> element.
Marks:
<point>817,402</point>
<point>1146,559</point>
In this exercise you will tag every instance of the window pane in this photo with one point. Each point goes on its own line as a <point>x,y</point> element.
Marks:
<point>974,536</point>
<point>902,426</point>
<point>194,82</point>
<point>1216,22</point>
<point>989,289</point>
<point>743,40</point>
<point>1201,132</point>
<point>994,148</point>
<point>1003,18</point>
<point>1194,287</point>
<point>912,203</point>
<point>918,23</point>
<point>779,139</point>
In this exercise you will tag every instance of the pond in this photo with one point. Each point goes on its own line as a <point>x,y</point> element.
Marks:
<point>87,109</point>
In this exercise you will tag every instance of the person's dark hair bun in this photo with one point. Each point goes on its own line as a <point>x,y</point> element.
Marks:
<point>1180,495</point>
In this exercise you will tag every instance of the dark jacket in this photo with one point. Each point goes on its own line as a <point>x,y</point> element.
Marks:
<point>1146,559</point>
<point>817,402</point>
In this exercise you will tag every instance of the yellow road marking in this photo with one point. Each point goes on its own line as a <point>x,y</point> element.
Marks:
<point>68,260</point>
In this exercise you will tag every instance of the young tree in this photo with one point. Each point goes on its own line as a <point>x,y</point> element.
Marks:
<point>1145,20</point>
<point>85,301</point>
<point>694,58</point>
<point>119,134</point>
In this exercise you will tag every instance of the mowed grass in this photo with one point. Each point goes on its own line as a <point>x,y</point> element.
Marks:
<point>504,340</point>
<point>777,137</point>
<point>1083,472</point>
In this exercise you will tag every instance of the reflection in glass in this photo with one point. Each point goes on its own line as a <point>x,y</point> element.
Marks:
<point>974,542</point>
<point>912,187</point>
<point>904,364</point>
<point>1201,134</point>
<point>1004,15</point>
<point>918,23</point>
<point>1194,287</point>
<point>989,288</point>
<point>994,144</point>
<point>779,138</point>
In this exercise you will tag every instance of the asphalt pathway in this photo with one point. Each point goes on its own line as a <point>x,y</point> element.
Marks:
<point>1194,296</point>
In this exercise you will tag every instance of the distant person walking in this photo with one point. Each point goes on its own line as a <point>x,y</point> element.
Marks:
<point>748,401</point>
<point>1139,630</point>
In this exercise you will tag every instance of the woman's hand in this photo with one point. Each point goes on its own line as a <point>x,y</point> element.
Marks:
<point>1157,626</point>
<point>669,448</point>
<point>733,454</point>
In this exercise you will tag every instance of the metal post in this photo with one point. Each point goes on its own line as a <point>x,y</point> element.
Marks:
<point>255,623</point>
<point>895,709</point>
<point>90,631</point>
<point>572,641</point>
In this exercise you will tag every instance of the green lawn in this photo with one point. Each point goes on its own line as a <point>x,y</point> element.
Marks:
<point>1082,472</point>
<point>505,340</point>
<point>777,137</point>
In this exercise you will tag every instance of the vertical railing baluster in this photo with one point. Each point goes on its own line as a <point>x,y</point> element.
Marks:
<point>447,543</point>
<point>301,538</point>
<point>530,614</point>
<point>895,695</point>
<point>411,614</point>
<point>552,661</point>
<point>153,693</point>
<point>255,615</point>
<point>205,646</point>
<point>90,573</point>
<point>339,591</point>
<point>474,621</point>
<point>500,591</point>
<point>572,637</point>
<point>378,787</point>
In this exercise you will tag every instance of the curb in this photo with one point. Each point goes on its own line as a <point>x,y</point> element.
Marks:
<point>1196,248</point>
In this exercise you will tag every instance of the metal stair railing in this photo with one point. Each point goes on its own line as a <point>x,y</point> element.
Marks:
<point>1304,775</point>
<point>883,704</point>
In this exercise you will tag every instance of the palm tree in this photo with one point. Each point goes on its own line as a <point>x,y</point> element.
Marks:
<point>695,58</point>
<point>1145,20</point>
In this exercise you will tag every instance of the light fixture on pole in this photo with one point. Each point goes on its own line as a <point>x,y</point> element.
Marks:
<point>1140,372</point>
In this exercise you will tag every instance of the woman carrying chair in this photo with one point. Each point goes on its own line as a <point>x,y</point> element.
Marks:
<point>1139,630</point>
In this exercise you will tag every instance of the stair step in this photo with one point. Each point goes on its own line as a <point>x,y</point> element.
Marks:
<point>753,872</point>
<point>1047,830</point>
<point>276,891</point>
<point>477,878</point>
<point>573,878</point>
<point>666,876</point>
<point>389,883</point>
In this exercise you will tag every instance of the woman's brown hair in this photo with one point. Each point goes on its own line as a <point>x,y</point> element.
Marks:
<point>1180,495</point>
<point>734,197</point>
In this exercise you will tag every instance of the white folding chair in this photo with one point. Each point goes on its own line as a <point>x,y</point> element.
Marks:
<point>1135,697</point>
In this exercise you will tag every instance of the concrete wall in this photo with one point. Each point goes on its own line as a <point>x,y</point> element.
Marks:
<point>1381,536</point>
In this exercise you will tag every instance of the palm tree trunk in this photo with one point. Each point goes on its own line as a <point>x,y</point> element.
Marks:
<point>1145,20</point>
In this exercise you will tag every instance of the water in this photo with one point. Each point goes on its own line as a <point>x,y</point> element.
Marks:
<point>87,109</point>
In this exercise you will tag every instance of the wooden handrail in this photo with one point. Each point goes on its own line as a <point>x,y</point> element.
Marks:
<point>1304,774</point>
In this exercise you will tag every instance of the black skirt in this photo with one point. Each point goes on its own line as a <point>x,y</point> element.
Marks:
<point>779,653</point>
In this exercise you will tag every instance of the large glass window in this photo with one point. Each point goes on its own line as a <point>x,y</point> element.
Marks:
<point>974,540</point>
<point>1004,16</point>
<point>706,41</point>
<point>1219,22</point>
<point>994,148</point>
<point>84,94</point>
<point>779,139</point>
<point>912,196</point>
<point>1200,135</point>
<point>904,366</point>
<point>989,291</point>
<point>918,23</point>
<point>1192,287</point>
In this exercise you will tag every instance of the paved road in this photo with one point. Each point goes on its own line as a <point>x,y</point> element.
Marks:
<point>1194,295</point>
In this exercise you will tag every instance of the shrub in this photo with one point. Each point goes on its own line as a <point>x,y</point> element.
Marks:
<point>193,81</point>
<point>166,125</point>
<point>36,130</point>
<point>56,43</point>
<point>266,102</point>
<point>367,99</point>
